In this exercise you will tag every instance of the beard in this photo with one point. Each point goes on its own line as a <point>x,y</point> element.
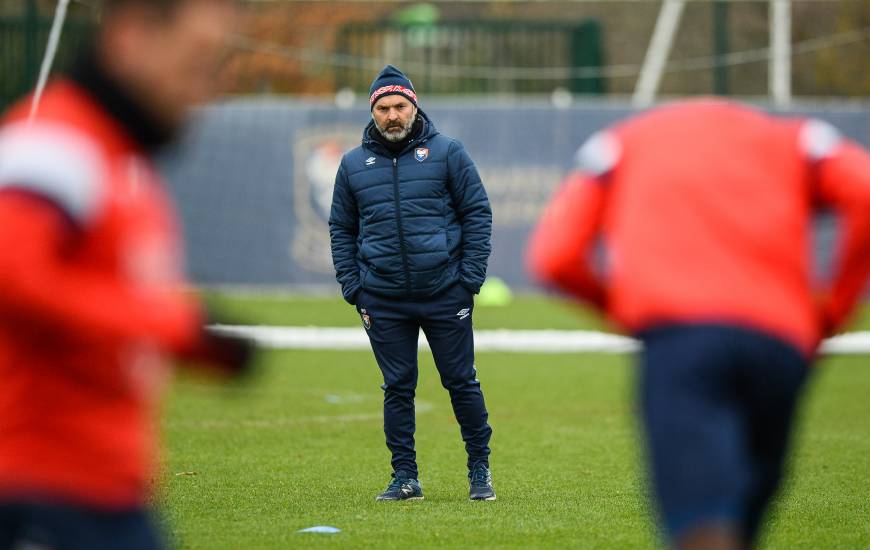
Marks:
<point>404,129</point>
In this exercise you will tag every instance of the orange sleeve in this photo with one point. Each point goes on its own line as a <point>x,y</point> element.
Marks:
<point>560,246</point>
<point>39,284</point>
<point>843,181</point>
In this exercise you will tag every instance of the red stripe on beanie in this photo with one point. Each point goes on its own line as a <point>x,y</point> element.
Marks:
<point>393,89</point>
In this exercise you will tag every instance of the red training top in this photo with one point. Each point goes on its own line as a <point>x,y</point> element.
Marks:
<point>90,300</point>
<point>704,208</point>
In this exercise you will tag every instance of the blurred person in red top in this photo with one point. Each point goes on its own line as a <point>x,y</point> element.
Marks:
<point>92,302</point>
<point>704,212</point>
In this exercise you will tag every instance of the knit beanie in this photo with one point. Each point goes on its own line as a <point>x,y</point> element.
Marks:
<point>391,81</point>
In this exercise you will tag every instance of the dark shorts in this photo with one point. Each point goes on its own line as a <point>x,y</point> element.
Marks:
<point>717,405</point>
<point>68,527</point>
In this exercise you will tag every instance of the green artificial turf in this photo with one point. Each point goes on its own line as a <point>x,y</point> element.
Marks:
<point>301,444</point>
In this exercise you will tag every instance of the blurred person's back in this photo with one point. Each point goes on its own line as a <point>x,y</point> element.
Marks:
<point>711,204</point>
<point>707,216</point>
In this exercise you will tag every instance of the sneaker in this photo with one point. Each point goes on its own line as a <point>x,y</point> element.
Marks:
<point>480,481</point>
<point>402,487</point>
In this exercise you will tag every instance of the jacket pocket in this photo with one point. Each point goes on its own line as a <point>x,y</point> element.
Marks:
<point>439,250</point>
<point>443,243</point>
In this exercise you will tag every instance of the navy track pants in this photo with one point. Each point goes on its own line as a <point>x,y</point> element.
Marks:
<point>718,404</point>
<point>393,327</point>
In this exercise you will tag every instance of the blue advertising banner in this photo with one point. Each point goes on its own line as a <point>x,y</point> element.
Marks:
<point>254,179</point>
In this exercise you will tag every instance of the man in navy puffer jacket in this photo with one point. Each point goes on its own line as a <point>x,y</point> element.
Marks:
<point>410,227</point>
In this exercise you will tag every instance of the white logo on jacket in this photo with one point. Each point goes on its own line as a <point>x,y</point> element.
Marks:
<point>370,161</point>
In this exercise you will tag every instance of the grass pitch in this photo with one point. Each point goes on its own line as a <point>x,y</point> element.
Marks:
<point>301,444</point>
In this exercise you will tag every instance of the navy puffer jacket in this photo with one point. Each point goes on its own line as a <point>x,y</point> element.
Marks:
<point>409,226</point>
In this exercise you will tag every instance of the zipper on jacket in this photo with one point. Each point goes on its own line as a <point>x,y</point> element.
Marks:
<point>399,226</point>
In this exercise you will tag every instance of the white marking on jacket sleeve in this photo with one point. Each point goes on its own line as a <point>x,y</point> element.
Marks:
<point>818,139</point>
<point>599,154</point>
<point>54,161</point>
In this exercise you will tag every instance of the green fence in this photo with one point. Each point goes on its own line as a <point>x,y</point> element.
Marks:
<point>477,57</point>
<point>22,44</point>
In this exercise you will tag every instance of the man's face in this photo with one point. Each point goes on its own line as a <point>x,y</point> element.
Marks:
<point>394,117</point>
<point>171,62</point>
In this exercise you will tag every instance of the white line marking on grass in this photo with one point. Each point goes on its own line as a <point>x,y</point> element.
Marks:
<point>531,341</point>
<point>519,341</point>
